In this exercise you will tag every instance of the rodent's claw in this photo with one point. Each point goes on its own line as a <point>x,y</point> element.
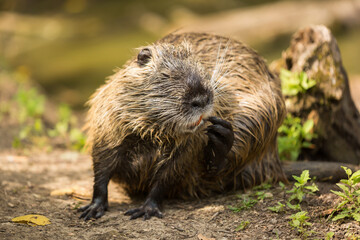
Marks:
<point>221,139</point>
<point>93,210</point>
<point>149,209</point>
<point>219,121</point>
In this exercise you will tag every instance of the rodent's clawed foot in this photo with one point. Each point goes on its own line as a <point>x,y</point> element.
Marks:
<point>95,209</point>
<point>148,209</point>
<point>221,139</point>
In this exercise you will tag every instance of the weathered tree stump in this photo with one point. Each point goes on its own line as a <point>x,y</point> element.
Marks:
<point>314,50</point>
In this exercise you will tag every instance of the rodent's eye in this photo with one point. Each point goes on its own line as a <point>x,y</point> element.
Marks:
<point>165,75</point>
<point>144,56</point>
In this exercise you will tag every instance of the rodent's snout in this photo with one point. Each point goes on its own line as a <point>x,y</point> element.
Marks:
<point>201,101</point>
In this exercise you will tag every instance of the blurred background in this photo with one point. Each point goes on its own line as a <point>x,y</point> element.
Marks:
<point>69,47</point>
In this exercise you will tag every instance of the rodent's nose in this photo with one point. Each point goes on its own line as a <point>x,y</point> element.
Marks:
<point>200,102</point>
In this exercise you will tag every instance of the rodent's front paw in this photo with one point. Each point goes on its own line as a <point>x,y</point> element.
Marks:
<point>148,209</point>
<point>221,139</point>
<point>96,209</point>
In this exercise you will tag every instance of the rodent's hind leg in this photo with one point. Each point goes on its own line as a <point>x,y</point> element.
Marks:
<point>221,139</point>
<point>151,206</point>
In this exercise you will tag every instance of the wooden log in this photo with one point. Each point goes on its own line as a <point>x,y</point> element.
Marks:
<point>314,50</point>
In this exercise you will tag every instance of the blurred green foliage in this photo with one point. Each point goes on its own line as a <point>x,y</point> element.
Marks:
<point>293,83</point>
<point>25,110</point>
<point>71,46</point>
<point>293,136</point>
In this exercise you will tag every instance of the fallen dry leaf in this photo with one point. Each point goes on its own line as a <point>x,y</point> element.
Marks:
<point>32,220</point>
<point>62,192</point>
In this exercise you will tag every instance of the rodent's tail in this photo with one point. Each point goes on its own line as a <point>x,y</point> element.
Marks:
<point>323,171</point>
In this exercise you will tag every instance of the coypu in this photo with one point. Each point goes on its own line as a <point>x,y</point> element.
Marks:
<point>193,114</point>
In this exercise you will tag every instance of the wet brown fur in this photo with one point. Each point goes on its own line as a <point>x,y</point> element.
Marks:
<point>130,117</point>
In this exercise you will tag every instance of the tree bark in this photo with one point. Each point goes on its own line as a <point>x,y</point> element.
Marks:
<point>314,50</point>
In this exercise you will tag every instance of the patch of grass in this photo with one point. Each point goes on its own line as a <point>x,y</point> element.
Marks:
<point>249,200</point>
<point>349,207</point>
<point>246,203</point>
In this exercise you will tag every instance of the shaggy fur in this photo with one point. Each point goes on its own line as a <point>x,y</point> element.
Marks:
<point>140,126</point>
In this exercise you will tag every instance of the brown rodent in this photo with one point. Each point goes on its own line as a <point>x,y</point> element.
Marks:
<point>193,114</point>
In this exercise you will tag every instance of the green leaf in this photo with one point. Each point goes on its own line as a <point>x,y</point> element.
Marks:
<point>307,144</point>
<point>296,178</point>
<point>341,216</point>
<point>347,170</point>
<point>341,204</point>
<point>308,126</point>
<point>305,176</point>
<point>312,188</point>
<point>329,235</point>
<point>293,206</point>
<point>343,187</point>
<point>243,225</point>
<point>356,177</point>
<point>356,216</point>
<point>295,223</point>
<point>38,126</point>
<point>278,208</point>
<point>343,195</point>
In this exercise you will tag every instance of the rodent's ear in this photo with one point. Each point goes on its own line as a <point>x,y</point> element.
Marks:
<point>144,56</point>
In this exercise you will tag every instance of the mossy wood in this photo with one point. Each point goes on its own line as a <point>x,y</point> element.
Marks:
<point>314,50</point>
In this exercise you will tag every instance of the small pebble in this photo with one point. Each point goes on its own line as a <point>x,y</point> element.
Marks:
<point>273,221</point>
<point>268,195</point>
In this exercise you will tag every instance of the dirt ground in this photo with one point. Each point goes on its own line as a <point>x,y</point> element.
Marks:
<point>36,184</point>
<point>56,183</point>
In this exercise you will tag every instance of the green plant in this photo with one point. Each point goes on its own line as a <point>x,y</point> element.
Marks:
<point>299,221</point>
<point>329,235</point>
<point>249,200</point>
<point>282,185</point>
<point>242,225</point>
<point>30,113</point>
<point>293,136</point>
<point>31,104</point>
<point>66,128</point>
<point>294,83</point>
<point>263,186</point>
<point>278,208</point>
<point>300,190</point>
<point>349,207</point>
<point>246,203</point>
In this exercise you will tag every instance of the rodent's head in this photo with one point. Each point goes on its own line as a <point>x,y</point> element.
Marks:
<point>173,89</point>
